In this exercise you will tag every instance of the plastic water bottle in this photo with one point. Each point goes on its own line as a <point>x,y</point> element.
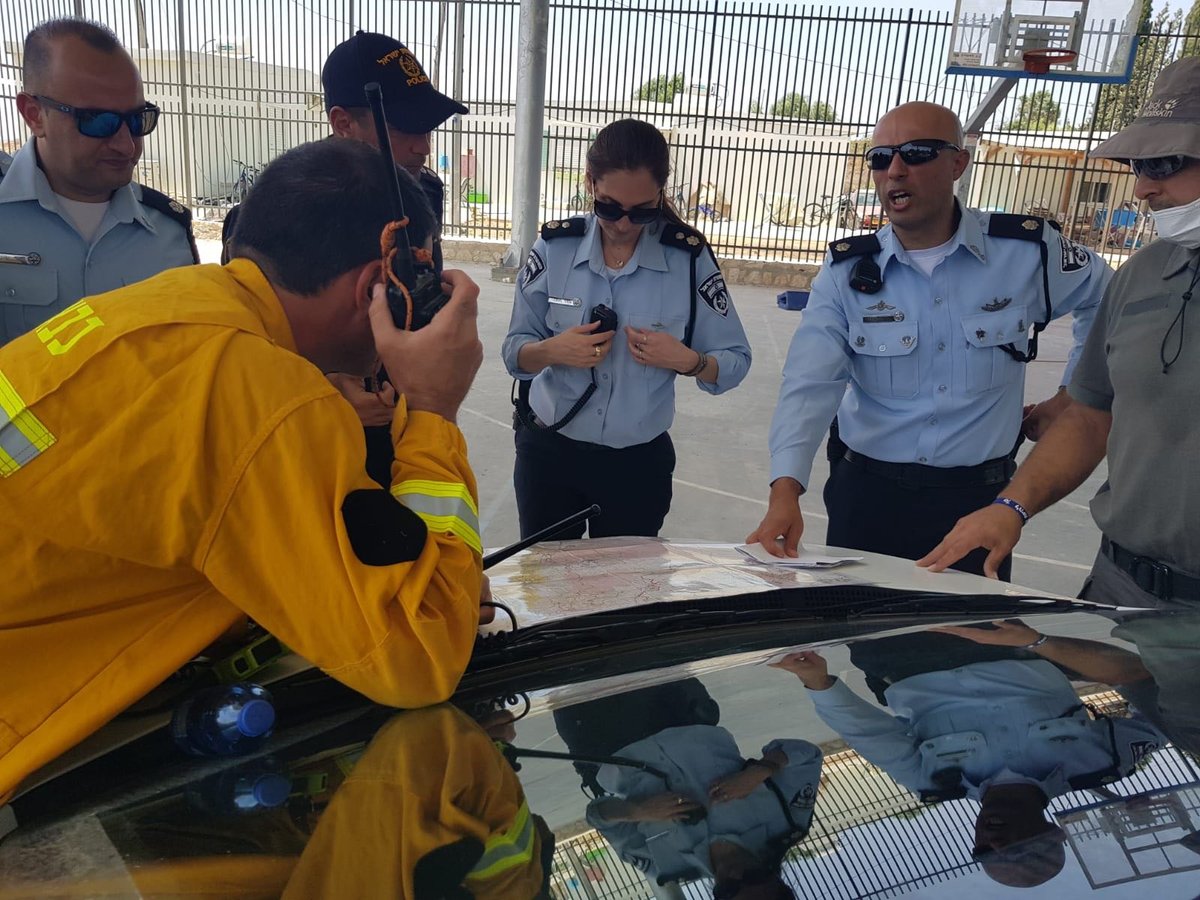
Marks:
<point>239,791</point>
<point>228,720</point>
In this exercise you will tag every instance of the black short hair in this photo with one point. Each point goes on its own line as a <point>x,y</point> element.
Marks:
<point>35,57</point>
<point>316,213</point>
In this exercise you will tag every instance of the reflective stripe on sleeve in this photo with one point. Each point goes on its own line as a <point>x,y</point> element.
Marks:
<point>510,848</point>
<point>22,436</point>
<point>444,506</point>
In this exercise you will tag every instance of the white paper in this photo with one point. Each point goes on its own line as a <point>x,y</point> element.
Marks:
<point>805,560</point>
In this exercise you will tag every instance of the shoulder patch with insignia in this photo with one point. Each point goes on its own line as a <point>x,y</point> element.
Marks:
<point>858,245</point>
<point>1141,749</point>
<point>173,210</point>
<point>1074,257</point>
<point>534,266</point>
<point>576,226</point>
<point>715,294</point>
<point>682,237</point>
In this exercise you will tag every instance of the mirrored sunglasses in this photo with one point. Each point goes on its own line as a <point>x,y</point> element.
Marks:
<point>1159,167</point>
<point>914,153</point>
<point>104,123</point>
<point>614,212</point>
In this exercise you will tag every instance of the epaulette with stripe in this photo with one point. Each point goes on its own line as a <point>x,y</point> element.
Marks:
<point>1022,228</point>
<point>576,226</point>
<point>683,237</point>
<point>858,245</point>
<point>173,210</point>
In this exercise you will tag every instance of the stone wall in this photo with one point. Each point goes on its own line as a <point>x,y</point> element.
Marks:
<point>795,276</point>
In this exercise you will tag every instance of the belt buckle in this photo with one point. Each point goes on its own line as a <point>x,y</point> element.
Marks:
<point>1152,576</point>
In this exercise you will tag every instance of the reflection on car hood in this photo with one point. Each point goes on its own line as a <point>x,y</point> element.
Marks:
<point>835,755</point>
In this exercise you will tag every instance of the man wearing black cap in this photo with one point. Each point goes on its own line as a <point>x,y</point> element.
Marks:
<point>1136,388</point>
<point>414,108</point>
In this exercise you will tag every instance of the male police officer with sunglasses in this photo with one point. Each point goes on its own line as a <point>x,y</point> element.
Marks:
<point>1137,387</point>
<point>72,221</point>
<point>929,322</point>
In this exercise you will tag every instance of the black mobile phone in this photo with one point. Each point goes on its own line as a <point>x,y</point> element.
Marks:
<point>605,316</point>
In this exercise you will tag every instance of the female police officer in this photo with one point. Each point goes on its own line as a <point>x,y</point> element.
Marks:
<point>609,309</point>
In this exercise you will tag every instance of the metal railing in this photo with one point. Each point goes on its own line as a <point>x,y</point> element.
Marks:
<point>767,106</point>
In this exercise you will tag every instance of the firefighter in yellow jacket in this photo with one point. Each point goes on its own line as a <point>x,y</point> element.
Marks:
<point>172,459</point>
<point>432,810</point>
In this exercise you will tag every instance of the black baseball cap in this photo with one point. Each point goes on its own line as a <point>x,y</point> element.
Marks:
<point>410,101</point>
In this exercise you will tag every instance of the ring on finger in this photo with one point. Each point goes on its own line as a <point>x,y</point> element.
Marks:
<point>596,350</point>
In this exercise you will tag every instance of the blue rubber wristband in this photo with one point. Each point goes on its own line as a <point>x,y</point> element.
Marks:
<point>1015,506</point>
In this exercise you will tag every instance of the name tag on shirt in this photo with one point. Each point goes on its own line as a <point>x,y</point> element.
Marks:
<point>566,301</point>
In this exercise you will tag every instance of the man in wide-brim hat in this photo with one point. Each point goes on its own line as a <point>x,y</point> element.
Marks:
<point>1136,388</point>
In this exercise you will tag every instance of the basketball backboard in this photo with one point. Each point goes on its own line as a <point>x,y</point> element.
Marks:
<point>1062,40</point>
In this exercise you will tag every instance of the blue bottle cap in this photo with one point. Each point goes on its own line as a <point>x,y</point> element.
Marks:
<point>272,790</point>
<point>256,718</point>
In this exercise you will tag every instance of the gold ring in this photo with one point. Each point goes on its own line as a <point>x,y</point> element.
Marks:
<point>596,350</point>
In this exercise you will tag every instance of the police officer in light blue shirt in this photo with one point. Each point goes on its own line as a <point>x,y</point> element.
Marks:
<point>928,323</point>
<point>72,222</point>
<point>698,804</point>
<point>610,309</point>
<point>1007,730</point>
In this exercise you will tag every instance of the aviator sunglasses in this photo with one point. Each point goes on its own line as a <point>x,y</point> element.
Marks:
<point>1159,167</point>
<point>104,123</point>
<point>914,153</point>
<point>614,212</point>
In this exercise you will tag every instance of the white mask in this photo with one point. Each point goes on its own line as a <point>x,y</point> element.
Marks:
<point>1180,224</point>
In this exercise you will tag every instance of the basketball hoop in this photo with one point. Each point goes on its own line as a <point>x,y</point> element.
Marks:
<point>1039,60</point>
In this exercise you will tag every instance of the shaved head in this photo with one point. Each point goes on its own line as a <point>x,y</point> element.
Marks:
<point>928,119</point>
<point>918,197</point>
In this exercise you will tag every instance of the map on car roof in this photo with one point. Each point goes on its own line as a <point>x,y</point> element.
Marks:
<point>560,579</point>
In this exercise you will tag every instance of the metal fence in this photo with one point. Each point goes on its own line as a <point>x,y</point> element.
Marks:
<point>767,106</point>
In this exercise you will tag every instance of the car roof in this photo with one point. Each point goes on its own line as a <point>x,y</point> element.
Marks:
<point>650,663</point>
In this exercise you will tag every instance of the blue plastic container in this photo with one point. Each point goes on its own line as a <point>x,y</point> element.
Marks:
<point>241,791</point>
<point>228,720</point>
<point>793,299</point>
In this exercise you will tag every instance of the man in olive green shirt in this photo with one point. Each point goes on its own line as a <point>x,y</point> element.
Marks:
<point>1136,388</point>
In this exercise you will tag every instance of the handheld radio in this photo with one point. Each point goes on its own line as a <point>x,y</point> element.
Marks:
<point>414,289</point>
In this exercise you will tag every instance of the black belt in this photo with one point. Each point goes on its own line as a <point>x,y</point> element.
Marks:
<point>1152,576</point>
<point>994,471</point>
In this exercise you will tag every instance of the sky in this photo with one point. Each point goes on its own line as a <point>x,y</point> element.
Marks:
<point>601,51</point>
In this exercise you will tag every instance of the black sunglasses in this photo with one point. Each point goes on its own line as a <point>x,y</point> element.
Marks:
<point>914,153</point>
<point>1159,167</point>
<point>614,212</point>
<point>104,123</point>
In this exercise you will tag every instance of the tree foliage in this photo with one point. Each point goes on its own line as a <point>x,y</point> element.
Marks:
<point>1119,104</point>
<point>1191,28</point>
<point>1038,111</point>
<point>661,89</point>
<point>796,106</point>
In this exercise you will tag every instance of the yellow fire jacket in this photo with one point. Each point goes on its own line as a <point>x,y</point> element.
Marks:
<point>169,463</point>
<point>430,787</point>
<point>430,805</point>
